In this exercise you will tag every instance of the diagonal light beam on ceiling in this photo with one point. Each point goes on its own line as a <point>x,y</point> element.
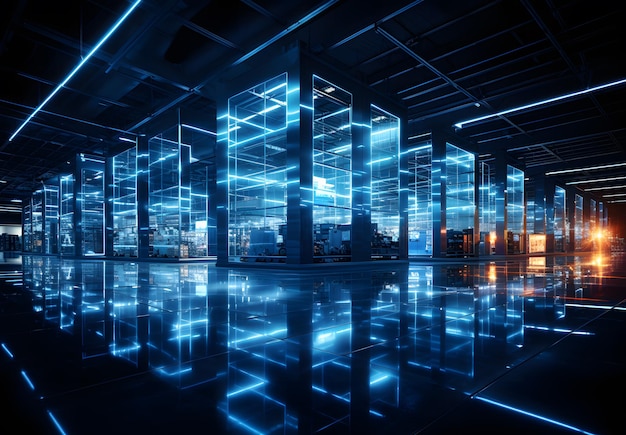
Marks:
<point>107,35</point>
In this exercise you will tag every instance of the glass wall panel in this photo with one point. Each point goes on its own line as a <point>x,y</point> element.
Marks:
<point>515,210</point>
<point>602,216</point>
<point>195,236</point>
<point>460,203</point>
<point>168,200</point>
<point>420,197</point>
<point>92,210</point>
<point>51,217</point>
<point>27,228</point>
<point>593,218</point>
<point>125,242</point>
<point>578,222</point>
<point>560,220</point>
<point>487,209</point>
<point>257,172</point>
<point>332,172</point>
<point>66,219</point>
<point>37,221</point>
<point>385,143</point>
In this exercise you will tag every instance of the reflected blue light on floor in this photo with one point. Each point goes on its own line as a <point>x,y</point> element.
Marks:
<point>244,425</point>
<point>242,390</point>
<point>530,414</point>
<point>56,423</point>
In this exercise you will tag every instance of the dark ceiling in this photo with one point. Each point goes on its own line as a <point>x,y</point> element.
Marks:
<point>447,61</point>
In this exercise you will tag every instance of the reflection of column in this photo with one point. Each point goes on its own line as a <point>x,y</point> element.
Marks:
<point>360,361</point>
<point>143,316</point>
<point>299,373</point>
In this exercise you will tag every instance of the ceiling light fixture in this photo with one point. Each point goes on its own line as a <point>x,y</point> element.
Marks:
<point>79,66</point>
<point>589,168</point>
<point>590,189</point>
<point>541,103</point>
<point>596,180</point>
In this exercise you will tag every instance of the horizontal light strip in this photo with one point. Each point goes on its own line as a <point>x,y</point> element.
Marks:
<point>623,186</point>
<point>596,180</point>
<point>540,103</point>
<point>589,168</point>
<point>79,66</point>
<point>613,195</point>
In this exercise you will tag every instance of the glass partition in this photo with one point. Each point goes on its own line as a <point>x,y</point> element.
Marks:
<point>257,172</point>
<point>332,172</point>
<point>385,144</point>
<point>460,205</point>
<point>169,194</point>
<point>66,218</point>
<point>561,228</point>
<point>420,197</point>
<point>92,210</point>
<point>195,235</point>
<point>124,202</point>
<point>578,222</point>
<point>487,209</point>
<point>593,218</point>
<point>515,210</point>
<point>37,221</point>
<point>51,218</point>
<point>201,233</point>
<point>27,228</point>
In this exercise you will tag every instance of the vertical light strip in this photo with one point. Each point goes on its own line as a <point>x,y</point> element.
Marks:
<point>79,66</point>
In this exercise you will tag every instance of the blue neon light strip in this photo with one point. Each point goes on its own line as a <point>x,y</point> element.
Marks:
<point>540,103</point>
<point>530,414</point>
<point>79,66</point>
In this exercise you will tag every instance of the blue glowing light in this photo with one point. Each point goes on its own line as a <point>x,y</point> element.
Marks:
<point>6,349</point>
<point>78,67</point>
<point>541,103</point>
<point>530,414</point>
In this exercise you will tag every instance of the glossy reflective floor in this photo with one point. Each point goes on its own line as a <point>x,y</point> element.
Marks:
<point>535,345</point>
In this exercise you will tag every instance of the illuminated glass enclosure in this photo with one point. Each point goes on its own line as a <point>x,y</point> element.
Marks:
<point>91,202</point>
<point>420,197</point>
<point>332,171</point>
<point>37,206</point>
<point>169,194</point>
<point>460,205</point>
<point>66,215</point>
<point>515,211</point>
<point>257,171</point>
<point>51,219</point>
<point>561,227</point>
<point>199,233</point>
<point>385,211</point>
<point>27,228</point>
<point>124,203</point>
<point>578,222</point>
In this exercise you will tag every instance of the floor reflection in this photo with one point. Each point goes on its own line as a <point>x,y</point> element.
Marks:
<point>253,351</point>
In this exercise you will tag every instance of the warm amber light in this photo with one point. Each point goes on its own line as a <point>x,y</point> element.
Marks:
<point>492,237</point>
<point>492,272</point>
